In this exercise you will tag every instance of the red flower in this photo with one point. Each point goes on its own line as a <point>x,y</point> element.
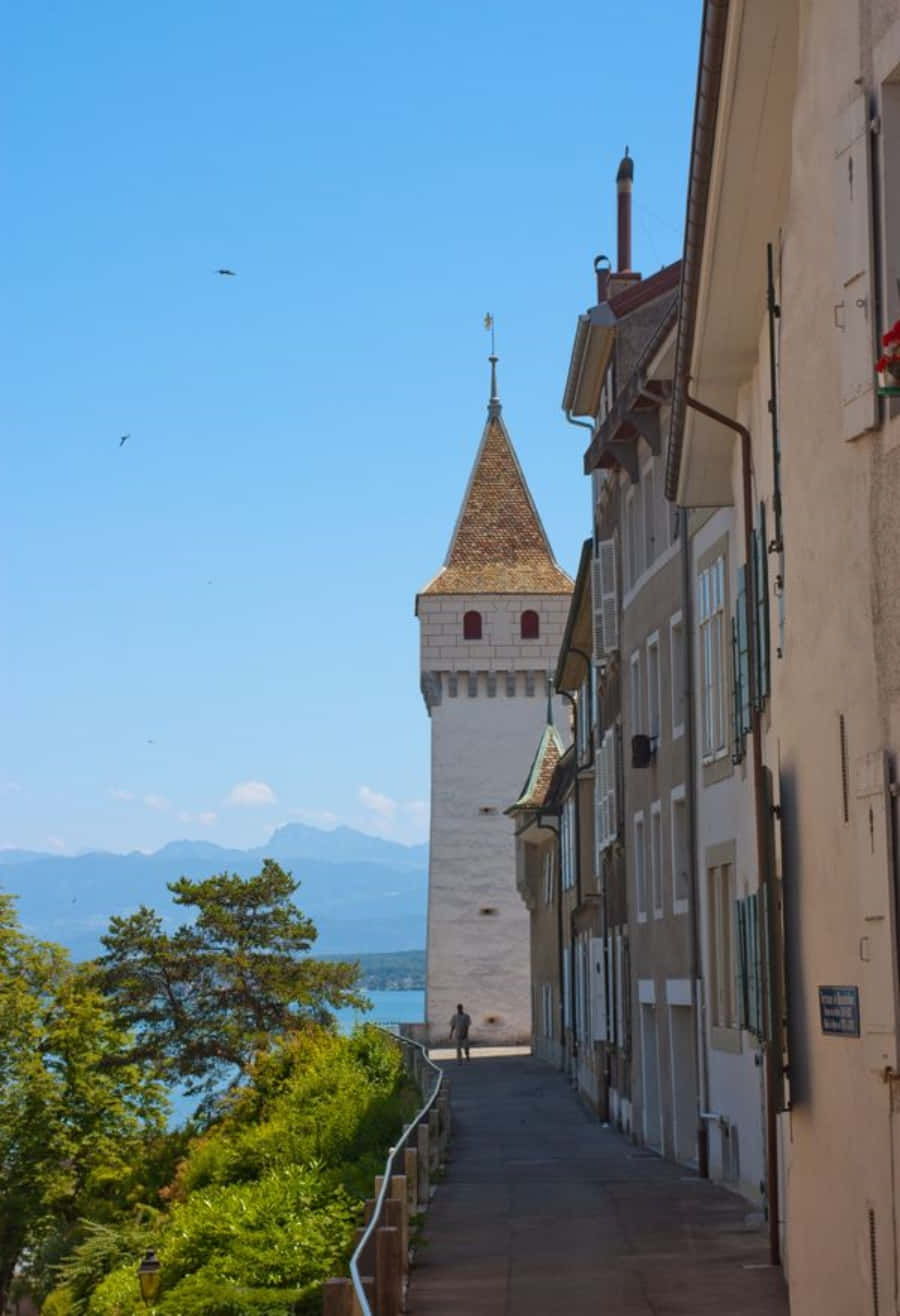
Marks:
<point>881,364</point>
<point>892,336</point>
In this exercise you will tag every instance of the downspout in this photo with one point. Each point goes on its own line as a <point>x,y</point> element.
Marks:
<point>557,830</point>
<point>702,1076</point>
<point>572,996</point>
<point>759,803</point>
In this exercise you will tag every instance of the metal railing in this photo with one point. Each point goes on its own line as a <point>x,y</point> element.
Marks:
<point>380,1259</point>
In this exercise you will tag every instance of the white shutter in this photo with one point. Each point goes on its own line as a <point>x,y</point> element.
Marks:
<point>854,312</point>
<point>598,991</point>
<point>620,1003</point>
<point>599,808</point>
<point>606,610</point>
<point>597,593</point>
<point>610,601</point>
<point>612,778</point>
<point>567,995</point>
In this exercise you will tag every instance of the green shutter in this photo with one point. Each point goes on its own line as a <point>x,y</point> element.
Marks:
<point>755,984</point>
<point>742,993</point>
<point>743,636</point>
<point>737,734</point>
<point>761,589</point>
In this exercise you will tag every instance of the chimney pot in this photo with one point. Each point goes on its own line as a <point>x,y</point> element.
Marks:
<point>624,180</point>
<point>602,272</point>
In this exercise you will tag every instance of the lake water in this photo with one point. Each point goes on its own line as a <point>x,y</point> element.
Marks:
<point>387,1008</point>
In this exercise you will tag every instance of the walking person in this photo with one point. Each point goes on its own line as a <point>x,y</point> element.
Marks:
<point>459,1028</point>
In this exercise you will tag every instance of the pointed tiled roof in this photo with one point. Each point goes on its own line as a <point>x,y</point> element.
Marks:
<point>499,545</point>
<point>534,792</point>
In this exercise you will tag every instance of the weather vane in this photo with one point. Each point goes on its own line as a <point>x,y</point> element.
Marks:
<point>489,324</point>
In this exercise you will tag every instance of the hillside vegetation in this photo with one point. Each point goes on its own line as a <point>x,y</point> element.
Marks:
<point>252,1205</point>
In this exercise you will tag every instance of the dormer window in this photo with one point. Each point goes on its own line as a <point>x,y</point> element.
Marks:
<point>531,625</point>
<point>472,626</point>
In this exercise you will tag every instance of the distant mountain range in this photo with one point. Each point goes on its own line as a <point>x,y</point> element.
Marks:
<point>363,893</point>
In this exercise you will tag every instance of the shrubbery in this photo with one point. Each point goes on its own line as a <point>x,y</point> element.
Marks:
<point>264,1205</point>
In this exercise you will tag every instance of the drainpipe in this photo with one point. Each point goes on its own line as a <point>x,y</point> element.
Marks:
<point>759,801</point>
<point>557,831</point>
<point>702,1077</point>
<point>565,694</point>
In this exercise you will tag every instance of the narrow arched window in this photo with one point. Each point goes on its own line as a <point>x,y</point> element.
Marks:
<point>472,626</point>
<point>531,625</point>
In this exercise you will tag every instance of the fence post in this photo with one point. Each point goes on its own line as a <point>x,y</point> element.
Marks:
<point>399,1215</point>
<point>387,1271</point>
<point>410,1166</point>
<point>424,1161</point>
<point>337,1298</point>
<point>434,1140</point>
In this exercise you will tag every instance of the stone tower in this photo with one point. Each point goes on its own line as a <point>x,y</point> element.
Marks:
<point>491,624</point>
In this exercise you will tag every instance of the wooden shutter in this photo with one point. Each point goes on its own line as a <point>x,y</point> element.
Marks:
<point>854,311</point>
<point>761,584</point>
<point>606,611</point>
<point>600,807</point>
<point>598,990</point>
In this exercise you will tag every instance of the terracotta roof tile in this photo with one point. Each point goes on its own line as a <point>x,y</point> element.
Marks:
<point>544,764</point>
<point>499,545</point>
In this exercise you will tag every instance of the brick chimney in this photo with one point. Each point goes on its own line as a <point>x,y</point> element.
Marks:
<point>624,181</point>
<point>624,275</point>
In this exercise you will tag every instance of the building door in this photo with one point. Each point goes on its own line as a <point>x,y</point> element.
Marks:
<point>684,1084</point>
<point>650,1077</point>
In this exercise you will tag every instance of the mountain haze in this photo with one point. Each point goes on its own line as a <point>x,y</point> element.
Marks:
<point>364,894</point>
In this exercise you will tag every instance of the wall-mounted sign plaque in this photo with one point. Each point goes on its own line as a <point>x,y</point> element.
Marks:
<point>839,1010</point>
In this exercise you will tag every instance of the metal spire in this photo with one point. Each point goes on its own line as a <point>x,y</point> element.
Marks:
<point>549,701</point>
<point>494,402</point>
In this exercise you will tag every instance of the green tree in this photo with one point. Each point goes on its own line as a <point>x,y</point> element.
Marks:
<point>75,1115</point>
<point>206,998</point>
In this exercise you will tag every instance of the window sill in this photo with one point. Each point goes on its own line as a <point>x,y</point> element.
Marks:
<point>678,732</point>
<point>726,1039</point>
<point>659,913</point>
<point>680,906</point>
<point>642,918</point>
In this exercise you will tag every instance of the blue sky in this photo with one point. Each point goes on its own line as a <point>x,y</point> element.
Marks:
<point>210,631</point>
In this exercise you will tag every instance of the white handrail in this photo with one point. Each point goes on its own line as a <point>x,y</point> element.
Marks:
<point>388,1170</point>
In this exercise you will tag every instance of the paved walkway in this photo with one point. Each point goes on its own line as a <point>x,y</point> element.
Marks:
<point>545,1213</point>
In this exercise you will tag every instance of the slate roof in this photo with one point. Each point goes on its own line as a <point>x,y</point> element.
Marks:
<point>534,792</point>
<point>499,545</point>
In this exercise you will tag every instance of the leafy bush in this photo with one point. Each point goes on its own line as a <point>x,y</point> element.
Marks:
<point>264,1205</point>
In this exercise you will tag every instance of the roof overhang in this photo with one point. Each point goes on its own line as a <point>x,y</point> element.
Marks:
<point>591,351</point>
<point>737,192</point>
<point>571,669</point>
<point>635,413</point>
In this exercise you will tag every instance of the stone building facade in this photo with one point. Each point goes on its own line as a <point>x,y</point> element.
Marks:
<point>491,621</point>
<point>780,435</point>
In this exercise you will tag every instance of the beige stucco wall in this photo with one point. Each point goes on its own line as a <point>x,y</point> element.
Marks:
<point>842,631</point>
<point>838,1147</point>
<point>482,744</point>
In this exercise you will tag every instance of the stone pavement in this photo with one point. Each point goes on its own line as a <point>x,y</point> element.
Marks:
<point>543,1212</point>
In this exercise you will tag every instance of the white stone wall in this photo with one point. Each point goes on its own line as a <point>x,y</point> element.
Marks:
<point>483,740</point>
<point>442,647</point>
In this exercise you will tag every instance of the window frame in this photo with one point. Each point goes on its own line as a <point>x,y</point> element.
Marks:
<point>640,865</point>
<point>467,615</point>
<point>657,860</point>
<point>678,808</point>
<point>654,696</point>
<point>530,613</point>
<point>714,684</point>
<point>635,693</point>
<point>677,672</point>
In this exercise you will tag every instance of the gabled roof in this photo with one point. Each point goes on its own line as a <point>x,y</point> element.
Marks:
<point>499,545</point>
<point>534,792</point>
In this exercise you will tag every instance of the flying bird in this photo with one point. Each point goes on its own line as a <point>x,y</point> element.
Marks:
<point>123,438</point>
<point>230,273</point>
